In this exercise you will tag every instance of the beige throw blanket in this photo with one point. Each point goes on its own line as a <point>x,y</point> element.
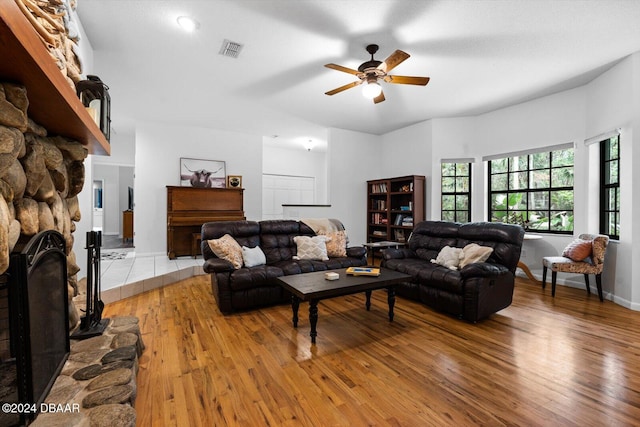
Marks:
<point>323,225</point>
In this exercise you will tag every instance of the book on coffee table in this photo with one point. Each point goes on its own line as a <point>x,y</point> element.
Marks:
<point>363,271</point>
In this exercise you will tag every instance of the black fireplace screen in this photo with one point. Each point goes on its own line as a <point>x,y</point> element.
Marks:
<point>39,314</point>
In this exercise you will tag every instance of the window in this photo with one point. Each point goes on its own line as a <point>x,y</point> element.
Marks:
<point>456,192</point>
<point>610,187</point>
<point>534,190</point>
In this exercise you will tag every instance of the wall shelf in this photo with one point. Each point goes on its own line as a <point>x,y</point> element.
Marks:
<point>53,103</point>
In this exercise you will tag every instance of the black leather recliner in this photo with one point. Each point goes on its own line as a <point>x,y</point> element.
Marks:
<point>252,287</point>
<point>472,293</point>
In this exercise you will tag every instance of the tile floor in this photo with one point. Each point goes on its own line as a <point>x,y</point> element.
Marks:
<point>133,275</point>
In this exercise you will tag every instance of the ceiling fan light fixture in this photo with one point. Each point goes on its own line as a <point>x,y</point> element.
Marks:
<point>187,23</point>
<point>371,89</point>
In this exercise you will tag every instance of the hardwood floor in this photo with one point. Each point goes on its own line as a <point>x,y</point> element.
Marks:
<point>543,361</point>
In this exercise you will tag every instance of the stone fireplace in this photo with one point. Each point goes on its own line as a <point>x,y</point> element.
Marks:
<point>40,178</point>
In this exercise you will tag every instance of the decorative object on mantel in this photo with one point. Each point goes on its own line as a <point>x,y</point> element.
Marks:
<point>202,173</point>
<point>94,95</point>
<point>55,24</point>
<point>234,181</point>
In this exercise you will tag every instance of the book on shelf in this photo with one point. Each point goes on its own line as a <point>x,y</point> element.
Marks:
<point>363,271</point>
<point>379,188</point>
<point>407,221</point>
<point>399,236</point>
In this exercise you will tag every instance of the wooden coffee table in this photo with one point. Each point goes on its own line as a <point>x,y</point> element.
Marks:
<point>313,287</point>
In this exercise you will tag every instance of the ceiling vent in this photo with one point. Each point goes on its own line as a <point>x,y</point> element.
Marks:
<point>231,49</point>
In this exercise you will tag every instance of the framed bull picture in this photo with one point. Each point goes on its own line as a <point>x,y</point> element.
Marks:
<point>202,173</point>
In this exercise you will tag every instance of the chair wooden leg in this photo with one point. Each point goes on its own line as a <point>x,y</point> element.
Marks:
<point>544,276</point>
<point>599,284</point>
<point>554,275</point>
<point>586,282</point>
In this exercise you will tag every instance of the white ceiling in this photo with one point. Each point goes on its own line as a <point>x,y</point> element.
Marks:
<point>480,54</point>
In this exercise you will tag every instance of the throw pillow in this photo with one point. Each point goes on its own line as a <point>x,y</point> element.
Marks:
<point>449,257</point>
<point>253,256</point>
<point>473,252</point>
<point>311,247</point>
<point>228,249</point>
<point>578,250</point>
<point>337,244</point>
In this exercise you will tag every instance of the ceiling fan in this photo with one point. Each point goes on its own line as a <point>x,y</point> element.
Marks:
<point>371,71</point>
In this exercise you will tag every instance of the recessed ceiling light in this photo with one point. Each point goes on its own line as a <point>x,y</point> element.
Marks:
<point>187,23</point>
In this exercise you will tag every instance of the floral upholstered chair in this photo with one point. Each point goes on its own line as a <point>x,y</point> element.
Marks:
<point>584,255</point>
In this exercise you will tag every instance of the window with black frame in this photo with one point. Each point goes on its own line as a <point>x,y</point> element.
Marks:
<point>610,187</point>
<point>533,189</point>
<point>455,192</point>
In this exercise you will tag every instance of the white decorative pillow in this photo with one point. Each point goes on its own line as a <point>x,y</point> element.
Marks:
<point>473,252</point>
<point>311,247</point>
<point>449,257</point>
<point>253,256</point>
<point>336,244</point>
<point>228,249</point>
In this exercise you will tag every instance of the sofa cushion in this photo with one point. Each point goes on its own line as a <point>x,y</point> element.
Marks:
<point>336,244</point>
<point>253,256</point>
<point>276,239</point>
<point>252,277</point>
<point>228,249</point>
<point>578,250</point>
<point>449,257</point>
<point>473,253</point>
<point>311,248</point>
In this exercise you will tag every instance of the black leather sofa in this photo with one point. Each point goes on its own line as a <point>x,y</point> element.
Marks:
<point>251,287</point>
<point>472,293</point>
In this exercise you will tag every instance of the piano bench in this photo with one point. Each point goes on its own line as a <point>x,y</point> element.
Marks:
<point>196,238</point>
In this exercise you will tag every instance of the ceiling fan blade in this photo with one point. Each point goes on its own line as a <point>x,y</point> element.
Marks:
<point>407,80</point>
<point>379,98</point>
<point>395,59</point>
<point>345,87</point>
<point>343,69</point>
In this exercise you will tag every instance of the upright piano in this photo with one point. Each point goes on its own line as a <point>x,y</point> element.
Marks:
<point>190,207</point>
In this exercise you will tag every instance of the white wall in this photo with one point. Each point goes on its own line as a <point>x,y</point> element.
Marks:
<point>409,151</point>
<point>159,148</point>
<point>110,197</point>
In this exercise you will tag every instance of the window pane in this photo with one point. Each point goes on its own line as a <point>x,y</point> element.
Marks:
<point>518,180</point>
<point>462,202</point>
<point>462,169</point>
<point>448,169</point>
<point>517,201</point>
<point>499,202</point>
<point>540,160</point>
<point>562,157</point>
<point>613,172</point>
<point>539,200</point>
<point>519,163</point>
<point>618,199</point>
<point>610,194</point>
<point>540,179</point>
<point>462,216</point>
<point>561,221</point>
<point>499,182</point>
<point>448,185</point>
<point>538,220</point>
<point>561,200</point>
<point>499,165</point>
<point>562,177</point>
<point>614,148</point>
<point>462,185</point>
<point>448,202</point>
<point>448,216</point>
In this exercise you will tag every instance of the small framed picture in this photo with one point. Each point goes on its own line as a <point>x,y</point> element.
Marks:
<point>202,173</point>
<point>234,181</point>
